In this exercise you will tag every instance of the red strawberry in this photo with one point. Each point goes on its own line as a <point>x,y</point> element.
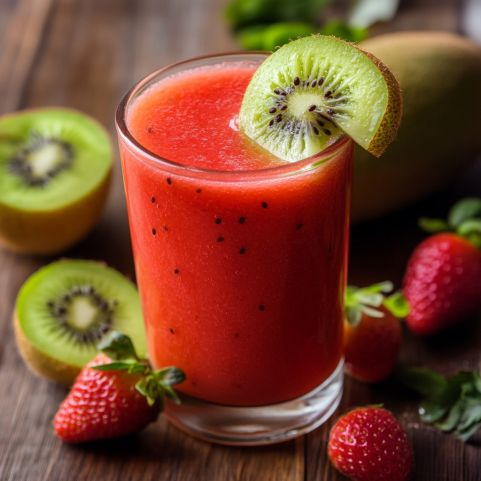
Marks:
<point>443,277</point>
<point>114,395</point>
<point>369,444</point>
<point>372,332</point>
<point>103,404</point>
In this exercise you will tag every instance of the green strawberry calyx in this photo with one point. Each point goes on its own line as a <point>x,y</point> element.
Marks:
<point>451,403</point>
<point>464,219</point>
<point>366,300</point>
<point>154,385</point>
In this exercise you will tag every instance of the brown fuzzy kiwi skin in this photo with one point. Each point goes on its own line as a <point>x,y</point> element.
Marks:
<point>391,120</point>
<point>40,363</point>
<point>53,231</point>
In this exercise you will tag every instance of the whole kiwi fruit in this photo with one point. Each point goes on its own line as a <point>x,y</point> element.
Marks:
<point>440,131</point>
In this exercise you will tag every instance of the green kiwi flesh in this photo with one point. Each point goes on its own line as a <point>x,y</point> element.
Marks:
<point>315,89</point>
<point>50,158</point>
<point>66,308</point>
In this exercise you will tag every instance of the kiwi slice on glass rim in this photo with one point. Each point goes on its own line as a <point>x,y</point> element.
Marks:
<point>315,89</point>
<point>66,308</point>
<point>55,167</point>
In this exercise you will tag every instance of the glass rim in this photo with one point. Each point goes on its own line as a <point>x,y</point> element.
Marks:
<point>187,170</point>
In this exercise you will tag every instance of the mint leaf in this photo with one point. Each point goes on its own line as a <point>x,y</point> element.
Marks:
<point>464,210</point>
<point>117,346</point>
<point>451,403</point>
<point>397,305</point>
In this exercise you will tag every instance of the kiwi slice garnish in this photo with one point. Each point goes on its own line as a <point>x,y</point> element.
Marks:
<point>315,89</point>
<point>55,168</point>
<point>66,308</point>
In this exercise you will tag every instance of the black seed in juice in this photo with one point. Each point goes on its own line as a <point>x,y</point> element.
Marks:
<point>149,130</point>
<point>296,81</point>
<point>152,199</point>
<point>314,82</point>
<point>176,271</point>
<point>242,251</point>
<point>327,132</point>
<point>330,112</point>
<point>299,226</point>
<point>218,221</point>
<point>199,191</point>
<point>312,108</point>
<point>169,181</point>
<point>327,94</point>
<point>154,231</point>
<point>220,239</point>
<point>261,308</point>
<point>165,227</point>
<point>264,204</point>
<point>272,110</point>
<point>171,330</point>
<point>242,220</point>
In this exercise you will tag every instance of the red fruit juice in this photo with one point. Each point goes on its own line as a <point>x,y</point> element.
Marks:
<point>241,274</point>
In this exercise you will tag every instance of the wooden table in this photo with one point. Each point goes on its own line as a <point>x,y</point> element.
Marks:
<point>86,54</point>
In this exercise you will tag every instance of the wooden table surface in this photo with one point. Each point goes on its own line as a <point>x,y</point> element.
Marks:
<point>86,54</point>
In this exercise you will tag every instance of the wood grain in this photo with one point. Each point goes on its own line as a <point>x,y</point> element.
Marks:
<point>86,54</point>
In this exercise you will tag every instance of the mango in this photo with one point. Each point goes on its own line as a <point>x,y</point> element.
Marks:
<point>440,132</point>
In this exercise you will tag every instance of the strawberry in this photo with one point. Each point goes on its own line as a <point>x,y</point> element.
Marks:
<point>369,444</point>
<point>372,332</point>
<point>443,278</point>
<point>114,395</point>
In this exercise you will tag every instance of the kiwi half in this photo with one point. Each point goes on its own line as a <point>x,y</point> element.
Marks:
<point>66,308</point>
<point>55,167</point>
<point>315,89</point>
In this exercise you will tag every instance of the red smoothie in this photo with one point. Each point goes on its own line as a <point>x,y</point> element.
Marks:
<point>241,274</point>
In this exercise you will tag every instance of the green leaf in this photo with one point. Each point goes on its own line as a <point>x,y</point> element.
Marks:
<point>463,210</point>
<point>367,12</point>
<point>397,305</point>
<point>172,395</point>
<point>469,227</point>
<point>340,29</point>
<point>115,366</point>
<point>423,381</point>
<point>117,346</point>
<point>430,411</point>
<point>465,434</point>
<point>353,316</point>
<point>453,417</point>
<point>241,13</point>
<point>369,298</point>
<point>169,376</point>
<point>138,367</point>
<point>370,311</point>
<point>433,225</point>
<point>141,386</point>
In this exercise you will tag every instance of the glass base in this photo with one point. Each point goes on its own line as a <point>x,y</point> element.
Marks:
<point>258,425</point>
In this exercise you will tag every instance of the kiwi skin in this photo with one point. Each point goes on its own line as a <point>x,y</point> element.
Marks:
<point>53,231</point>
<point>42,365</point>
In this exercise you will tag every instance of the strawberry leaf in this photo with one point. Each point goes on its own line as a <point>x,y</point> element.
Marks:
<point>433,225</point>
<point>116,366</point>
<point>171,394</point>
<point>169,376</point>
<point>118,346</point>
<point>397,305</point>
<point>425,382</point>
<point>464,210</point>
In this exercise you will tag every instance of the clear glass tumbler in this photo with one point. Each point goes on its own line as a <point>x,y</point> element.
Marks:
<point>255,320</point>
